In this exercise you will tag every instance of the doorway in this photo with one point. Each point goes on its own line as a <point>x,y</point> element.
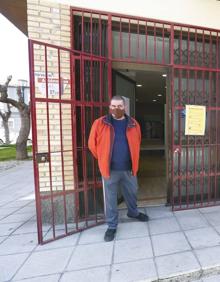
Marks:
<point>145,88</point>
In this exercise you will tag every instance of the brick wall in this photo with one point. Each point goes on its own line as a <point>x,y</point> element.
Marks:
<point>50,23</point>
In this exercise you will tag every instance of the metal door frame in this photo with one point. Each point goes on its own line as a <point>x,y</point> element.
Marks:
<point>174,30</point>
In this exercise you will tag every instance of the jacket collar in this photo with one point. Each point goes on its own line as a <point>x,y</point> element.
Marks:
<point>108,120</point>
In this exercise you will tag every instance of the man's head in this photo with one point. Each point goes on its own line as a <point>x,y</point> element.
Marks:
<point>117,107</point>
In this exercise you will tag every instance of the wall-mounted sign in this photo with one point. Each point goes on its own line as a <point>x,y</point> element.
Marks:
<point>52,82</point>
<point>195,120</point>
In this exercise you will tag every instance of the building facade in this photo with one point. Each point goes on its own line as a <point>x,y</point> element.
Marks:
<point>83,53</point>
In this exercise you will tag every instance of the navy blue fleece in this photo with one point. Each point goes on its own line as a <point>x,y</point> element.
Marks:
<point>121,159</point>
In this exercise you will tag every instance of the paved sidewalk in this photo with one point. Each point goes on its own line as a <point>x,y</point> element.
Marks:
<point>179,246</point>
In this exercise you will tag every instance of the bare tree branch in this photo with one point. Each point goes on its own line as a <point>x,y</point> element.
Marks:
<point>4,94</point>
<point>4,88</point>
<point>11,101</point>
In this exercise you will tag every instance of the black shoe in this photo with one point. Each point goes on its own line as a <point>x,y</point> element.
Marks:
<point>141,217</point>
<point>109,235</point>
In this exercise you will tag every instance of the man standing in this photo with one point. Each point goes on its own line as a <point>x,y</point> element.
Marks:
<point>115,141</point>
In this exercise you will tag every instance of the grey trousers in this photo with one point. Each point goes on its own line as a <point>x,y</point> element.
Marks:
<point>129,186</point>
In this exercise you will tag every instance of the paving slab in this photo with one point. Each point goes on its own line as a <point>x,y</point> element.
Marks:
<point>3,238</point>
<point>210,209</point>
<point>164,244</point>
<point>91,255</point>
<point>203,237</point>
<point>47,278</point>
<point>93,235</point>
<point>159,212</point>
<point>29,226</point>
<point>142,270</point>
<point>132,249</point>
<point>190,219</point>
<point>45,263</point>
<point>8,211</point>
<point>217,228</point>
<point>209,257</point>
<point>16,217</point>
<point>18,244</point>
<point>9,228</point>
<point>10,264</point>
<point>30,209</point>
<point>213,218</point>
<point>214,278</point>
<point>176,264</point>
<point>100,274</point>
<point>132,230</point>
<point>163,225</point>
<point>69,241</point>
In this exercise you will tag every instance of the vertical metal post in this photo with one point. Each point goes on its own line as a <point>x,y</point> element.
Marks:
<point>138,41</point>
<point>109,56</point>
<point>48,141</point>
<point>179,140</point>
<point>163,46</point>
<point>61,143</point>
<point>34,139</point>
<point>195,147</point>
<point>146,43</point>
<point>188,147</point>
<point>74,139</point>
<point>155,45</point>
<point>120,40</point>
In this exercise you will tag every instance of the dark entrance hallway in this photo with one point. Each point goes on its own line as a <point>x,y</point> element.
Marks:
<point>145,90</point>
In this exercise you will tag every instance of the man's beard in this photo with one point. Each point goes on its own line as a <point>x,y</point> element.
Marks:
<point>117,113</point>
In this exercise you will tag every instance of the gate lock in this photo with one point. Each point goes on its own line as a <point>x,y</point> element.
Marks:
<point>42,158</point>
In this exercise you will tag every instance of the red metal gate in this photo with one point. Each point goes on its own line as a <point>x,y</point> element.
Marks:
<point>195,81</point>
<point>72,87</point>
<point>191,55</point>
<point>68,91</point>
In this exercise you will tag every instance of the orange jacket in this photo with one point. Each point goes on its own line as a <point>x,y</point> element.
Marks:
<point>101,141</point>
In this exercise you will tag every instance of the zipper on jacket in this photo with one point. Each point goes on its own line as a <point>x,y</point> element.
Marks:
<point>111,145</point>
<point>127,128</point>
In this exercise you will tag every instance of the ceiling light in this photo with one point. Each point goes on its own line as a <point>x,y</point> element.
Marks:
<point>154,100</point>
<point>164,75</point>
<point>159,95</point>
<point>139,85</point>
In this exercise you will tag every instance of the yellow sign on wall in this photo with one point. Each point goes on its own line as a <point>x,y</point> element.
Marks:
<point>195,120</point>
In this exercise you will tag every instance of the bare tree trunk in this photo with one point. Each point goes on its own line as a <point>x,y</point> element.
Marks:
<point>24,111</point>
<point>21,143</point>
<point>6,129</point>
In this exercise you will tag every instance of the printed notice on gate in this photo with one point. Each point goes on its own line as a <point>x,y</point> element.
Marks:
<point>195,120</point>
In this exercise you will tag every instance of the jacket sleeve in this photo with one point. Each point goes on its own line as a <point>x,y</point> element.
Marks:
<point>92,142</point>
<point>138,131</point>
